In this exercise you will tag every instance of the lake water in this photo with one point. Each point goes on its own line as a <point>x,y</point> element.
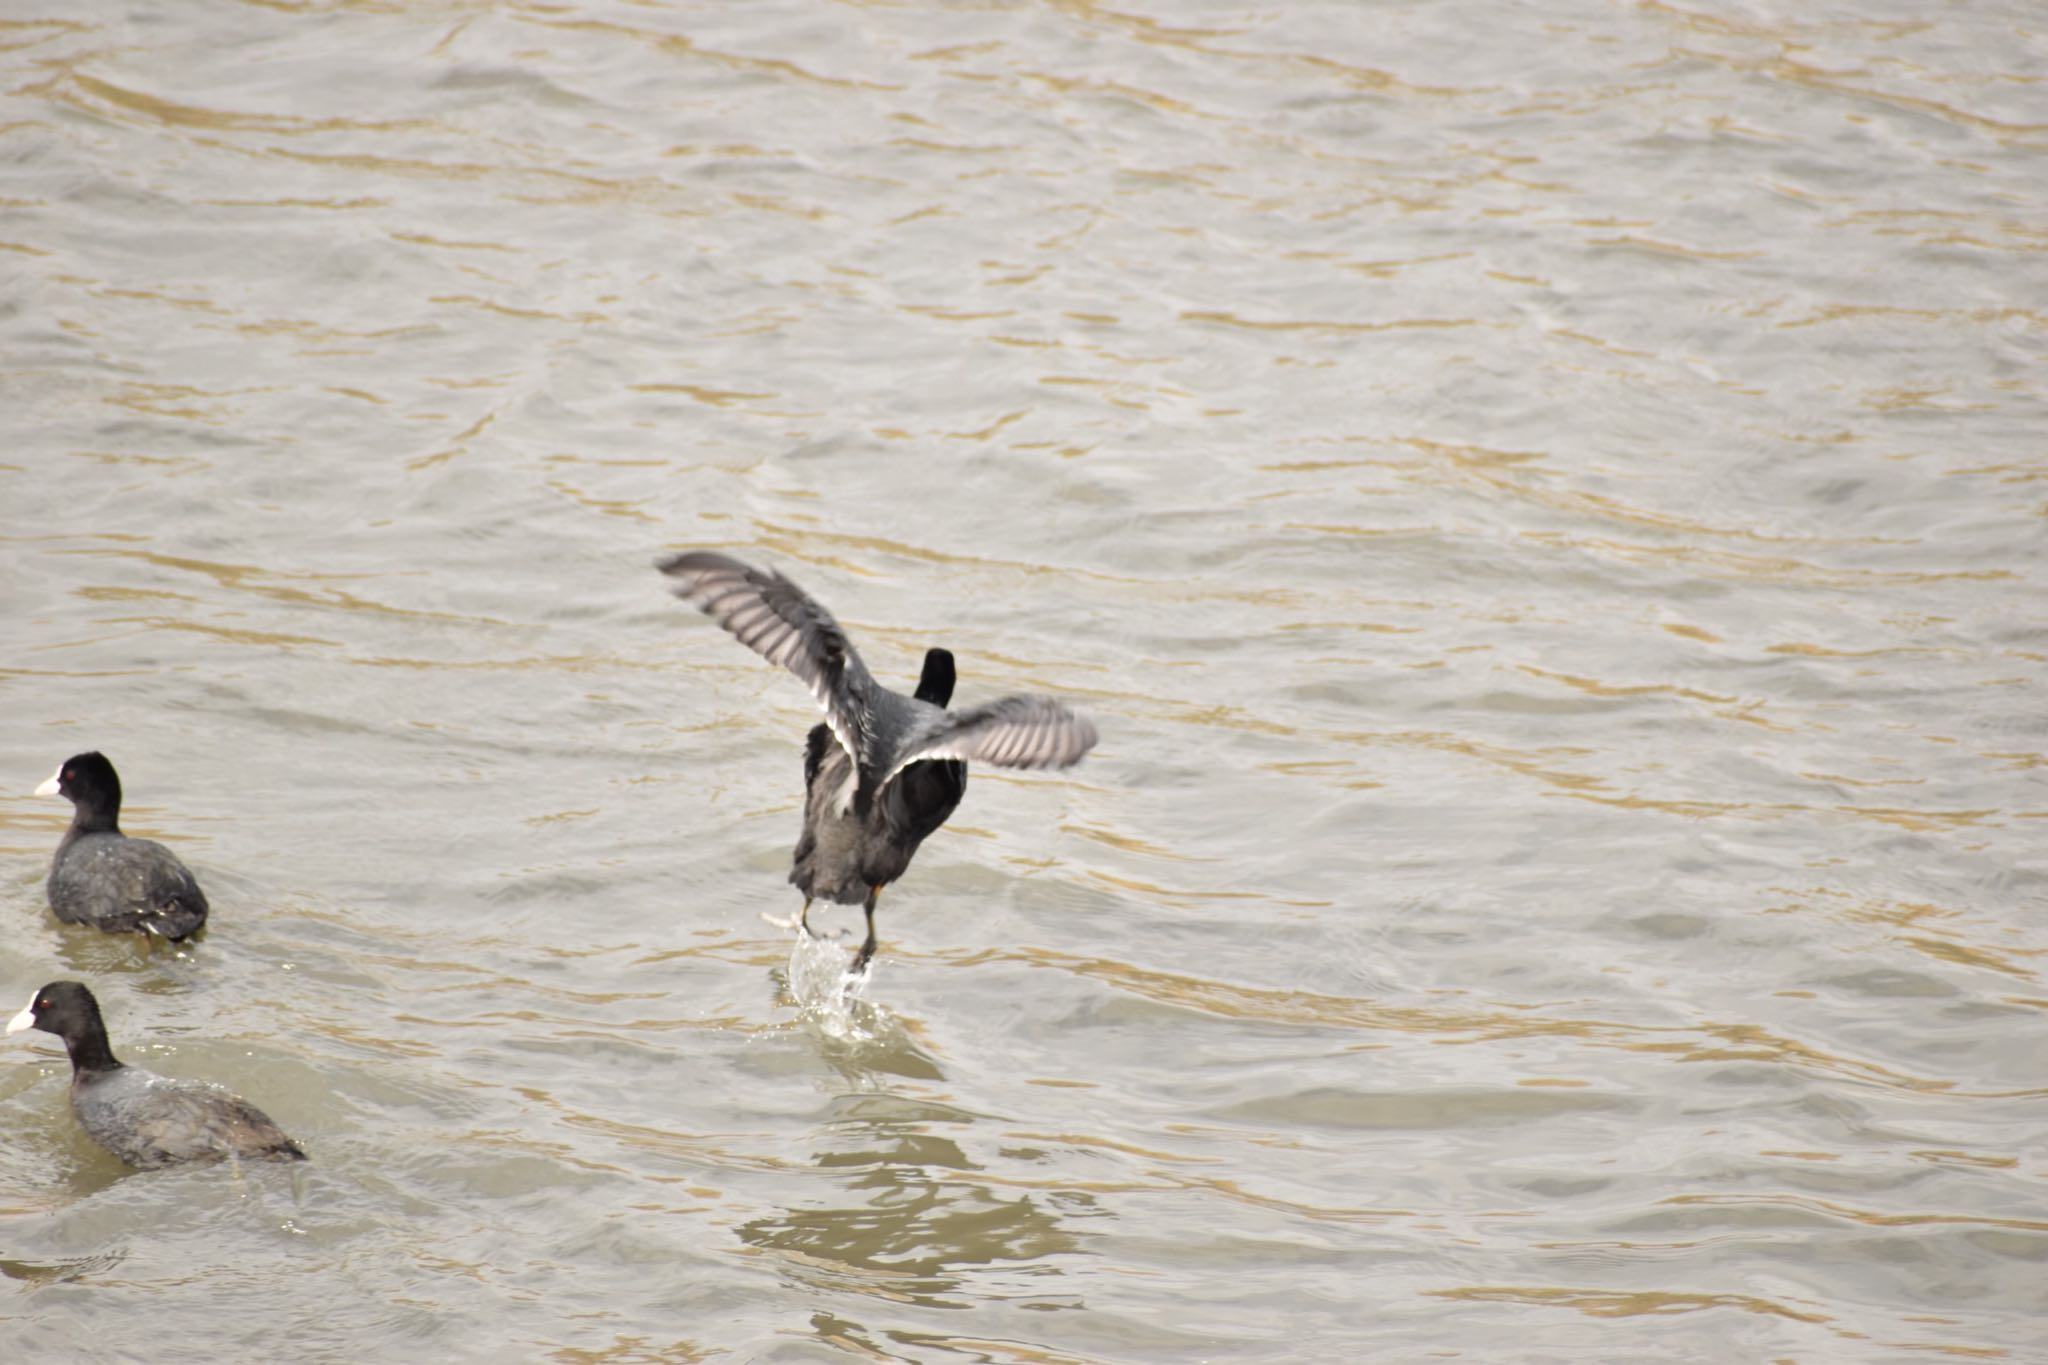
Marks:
<point>1546,505</point>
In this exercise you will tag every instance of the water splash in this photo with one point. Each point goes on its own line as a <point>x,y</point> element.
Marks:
<point>827,990</point>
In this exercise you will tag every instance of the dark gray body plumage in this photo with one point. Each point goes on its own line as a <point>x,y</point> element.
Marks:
<point>103,878</point>
<point>119,884</point>
<point>843,856</point>
<point>149,1120</point>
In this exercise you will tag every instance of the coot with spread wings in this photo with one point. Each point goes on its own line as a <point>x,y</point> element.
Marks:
<point>884,770</point>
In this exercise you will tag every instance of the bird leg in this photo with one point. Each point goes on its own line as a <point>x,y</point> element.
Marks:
<point>800,920</point>
<point>867,949</point>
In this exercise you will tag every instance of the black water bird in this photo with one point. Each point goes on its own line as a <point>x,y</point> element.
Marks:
<point>145,1119</point>
<point>102,877</point>
<point>884,770</point>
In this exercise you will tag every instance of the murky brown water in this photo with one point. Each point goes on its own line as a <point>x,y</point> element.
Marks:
<point>1546,505</point>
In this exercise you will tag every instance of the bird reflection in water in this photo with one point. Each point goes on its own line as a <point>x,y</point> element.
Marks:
<point>896,1208</point>
<point>922,1226</point>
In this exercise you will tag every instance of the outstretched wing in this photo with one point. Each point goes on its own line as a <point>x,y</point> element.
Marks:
<point>1015,732</point>
<point>776,619</point>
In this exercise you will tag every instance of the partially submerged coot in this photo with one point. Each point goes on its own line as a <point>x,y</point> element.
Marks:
<point>102,877</point>
<point>145,1119</point>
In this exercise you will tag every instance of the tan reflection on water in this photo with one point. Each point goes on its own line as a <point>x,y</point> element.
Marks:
<point>629,1349</point>
<point>1332,328</point>
<point>275,584</point>
<point>611,507</point>
<point>1707,1041</point>
<point>678,45</point>
<point>973,1348</point>
<point>1866,1217</point>
<point>1937,931</point>
<point>229,634</point>
<point>915,1236</point>
<point>1601,1303</point>
<point>1724,563</point>
<point>1486,466</point>
<point>195,116</point>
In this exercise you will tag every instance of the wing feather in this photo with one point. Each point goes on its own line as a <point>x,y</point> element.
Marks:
<point>1014,732</point>
<point>779,621</point>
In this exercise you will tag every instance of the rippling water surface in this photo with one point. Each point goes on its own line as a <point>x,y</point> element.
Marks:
<point>1546,505</point>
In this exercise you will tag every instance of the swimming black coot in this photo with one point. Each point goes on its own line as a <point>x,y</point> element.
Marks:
<point>102,877</point>
<point>884,770</point>
<point>145,1119</point>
